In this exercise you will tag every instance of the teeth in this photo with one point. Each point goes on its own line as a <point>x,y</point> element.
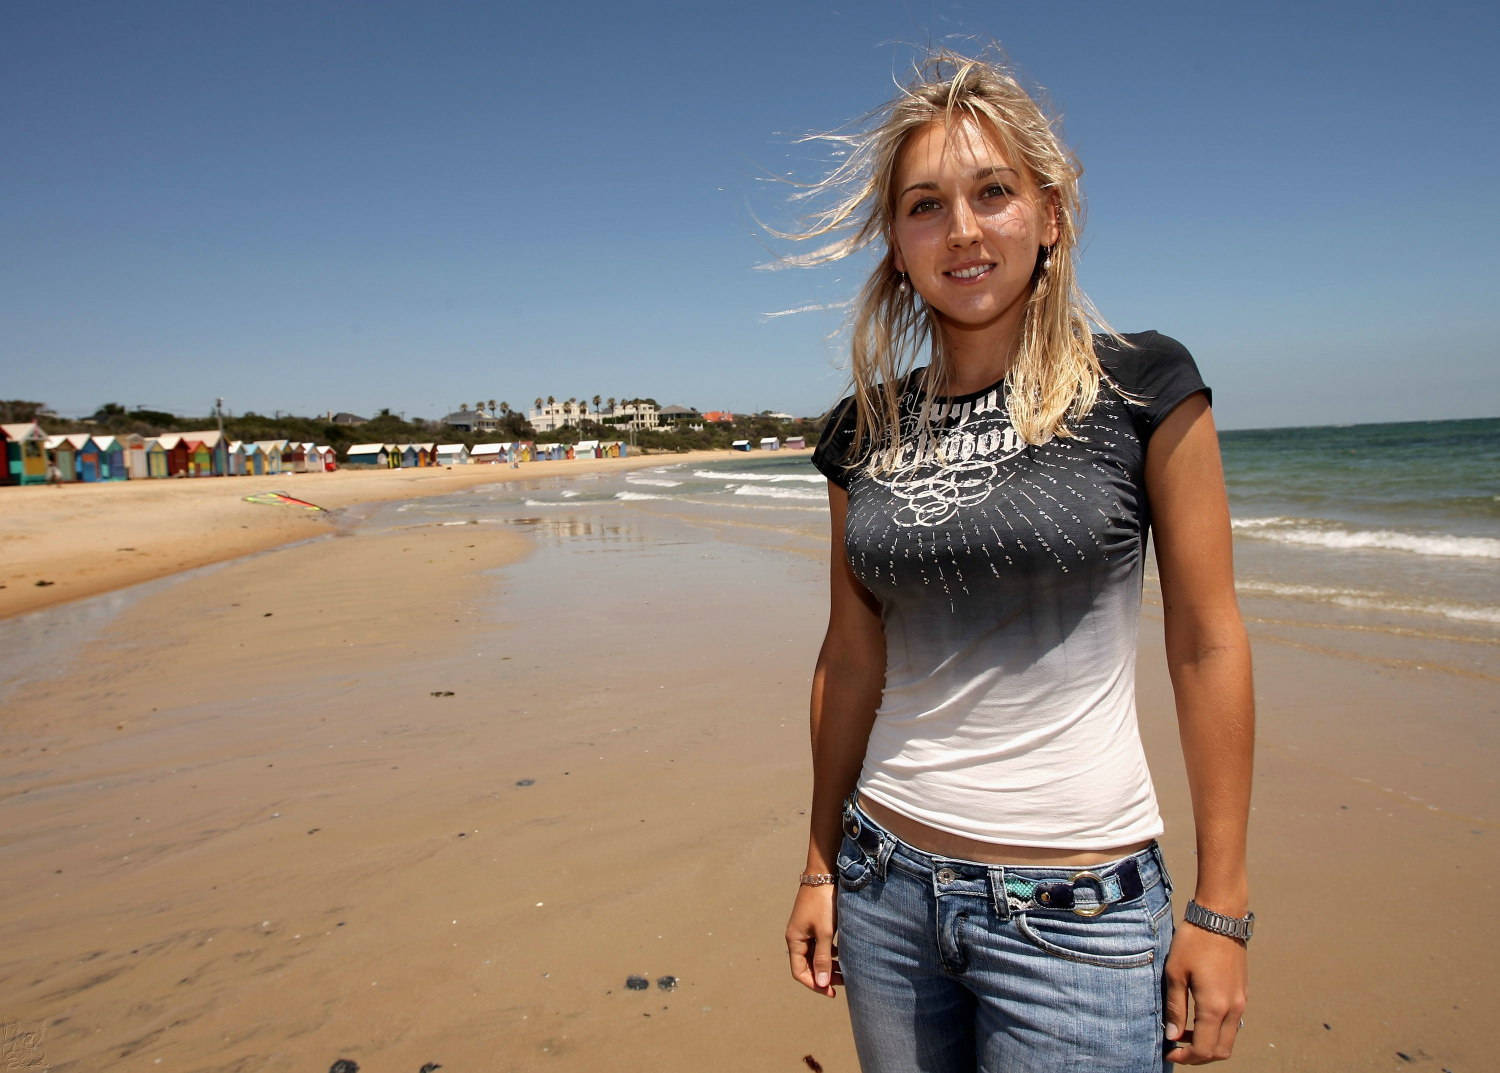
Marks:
<point>970,273</point>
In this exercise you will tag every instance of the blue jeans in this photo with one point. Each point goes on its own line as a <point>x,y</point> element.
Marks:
<point>955,966</point>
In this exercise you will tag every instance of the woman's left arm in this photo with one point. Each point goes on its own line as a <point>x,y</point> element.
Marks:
<point>1208,655</point>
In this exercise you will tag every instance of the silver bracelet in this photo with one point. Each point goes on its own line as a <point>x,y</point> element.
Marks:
<point>815,879</point>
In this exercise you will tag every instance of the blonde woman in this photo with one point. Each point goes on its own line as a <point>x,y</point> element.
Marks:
<point>982,869</point>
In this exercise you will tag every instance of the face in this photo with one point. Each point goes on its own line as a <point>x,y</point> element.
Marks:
<point>967,228</point>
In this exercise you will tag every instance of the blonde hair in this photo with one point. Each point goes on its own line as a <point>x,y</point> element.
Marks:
<point>1054,377</point>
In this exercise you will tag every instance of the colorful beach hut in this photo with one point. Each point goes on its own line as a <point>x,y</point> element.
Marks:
<point>158,456</point>
<point>452,454</point>
<point>272,450</point>
<point>86,457</point>
<point>25,453</point>
<point>207,453</point>
<point>770,443</point>
<point>62,454</point>
<point>368,454</point>
<point>740,445</point>
<point>795,443</point>
<point>111,458</point>
<point>135,456</point>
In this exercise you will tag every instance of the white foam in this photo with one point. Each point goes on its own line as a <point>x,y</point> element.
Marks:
<point>651,482</point>
<point>1362,600</point>
<point>638,495</point>
<point>779,493</point>
<point>1310,533</point>
<point>771,478</point>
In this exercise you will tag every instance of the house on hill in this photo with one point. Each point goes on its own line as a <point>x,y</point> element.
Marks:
<point>680,417</point>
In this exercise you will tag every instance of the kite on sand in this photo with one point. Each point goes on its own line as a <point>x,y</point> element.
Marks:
<point>281,497</point>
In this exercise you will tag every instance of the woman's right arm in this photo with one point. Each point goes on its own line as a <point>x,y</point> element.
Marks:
<point>846,689</point>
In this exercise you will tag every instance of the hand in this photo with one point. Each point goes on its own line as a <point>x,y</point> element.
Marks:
<point>1213,970</point>
<point>809,940</point>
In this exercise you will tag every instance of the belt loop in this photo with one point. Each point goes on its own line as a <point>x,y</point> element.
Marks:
<point>998,897</point>
<point>1161,865</point>
<point>883,858</point>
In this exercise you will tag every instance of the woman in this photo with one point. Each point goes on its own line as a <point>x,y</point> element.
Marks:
<point>982,869</point>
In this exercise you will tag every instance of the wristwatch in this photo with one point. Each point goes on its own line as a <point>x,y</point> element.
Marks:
<point>1240,928</point>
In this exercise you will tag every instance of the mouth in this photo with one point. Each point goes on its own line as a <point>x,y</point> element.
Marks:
<point>971,272</point>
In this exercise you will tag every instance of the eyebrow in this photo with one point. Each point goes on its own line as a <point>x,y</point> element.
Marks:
<point>982,173</point>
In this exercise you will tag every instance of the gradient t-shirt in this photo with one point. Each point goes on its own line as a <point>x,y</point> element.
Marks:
<point>1009,580</point>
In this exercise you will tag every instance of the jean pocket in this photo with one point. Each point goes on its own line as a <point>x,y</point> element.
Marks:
<point>854,867</point>
<point>1121,938</point>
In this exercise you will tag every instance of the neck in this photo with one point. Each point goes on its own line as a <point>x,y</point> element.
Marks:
<point>975,358</point>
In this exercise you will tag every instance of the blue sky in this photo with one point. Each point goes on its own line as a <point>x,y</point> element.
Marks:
<point>312,206</point>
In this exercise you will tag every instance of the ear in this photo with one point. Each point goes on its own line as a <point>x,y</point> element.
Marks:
<point>1054,212</point>
<point>897,260</point>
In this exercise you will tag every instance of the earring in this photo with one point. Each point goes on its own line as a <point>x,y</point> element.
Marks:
<point>902,285</point>
<point>1046,258</point>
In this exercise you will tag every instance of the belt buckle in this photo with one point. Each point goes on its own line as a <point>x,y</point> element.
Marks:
<point>1097,880</point>
<point>851,819</point>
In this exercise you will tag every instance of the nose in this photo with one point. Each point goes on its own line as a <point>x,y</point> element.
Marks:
<point>963,226</point>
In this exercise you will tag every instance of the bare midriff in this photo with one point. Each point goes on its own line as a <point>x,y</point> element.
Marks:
<point>958,847</point>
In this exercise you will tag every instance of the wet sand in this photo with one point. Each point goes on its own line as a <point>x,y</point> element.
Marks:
<point>432,794</point>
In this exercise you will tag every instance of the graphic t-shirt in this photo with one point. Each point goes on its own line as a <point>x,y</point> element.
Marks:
<point>1009,581</point>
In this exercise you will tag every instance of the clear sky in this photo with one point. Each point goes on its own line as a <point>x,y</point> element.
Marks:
<point>306,206</point>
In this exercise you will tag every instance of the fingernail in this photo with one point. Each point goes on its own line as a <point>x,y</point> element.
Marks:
<point>1172,1031</point>
<point>822,979</point>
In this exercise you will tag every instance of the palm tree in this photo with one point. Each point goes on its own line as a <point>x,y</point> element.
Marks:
<point>597,411</point>
<point>538,402</point>
<point>505,409</point>
<point>463,407</point>
<point>492,407</point>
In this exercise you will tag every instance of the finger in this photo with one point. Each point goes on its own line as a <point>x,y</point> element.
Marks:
<point>1174,1013</point>
<point>802,970</point>
<point>822,962</point>
<point>1179,1050</point>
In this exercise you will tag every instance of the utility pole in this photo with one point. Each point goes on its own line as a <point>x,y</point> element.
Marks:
<point>219,413</point>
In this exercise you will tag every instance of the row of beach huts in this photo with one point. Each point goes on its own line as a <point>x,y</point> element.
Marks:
<point>33,457</point>
<point>403,455</point>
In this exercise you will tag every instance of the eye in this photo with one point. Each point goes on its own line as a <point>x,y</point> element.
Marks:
<point>922,205</point>
<point>997,190</point>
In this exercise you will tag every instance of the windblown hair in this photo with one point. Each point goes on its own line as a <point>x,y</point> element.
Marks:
<point>1054,377</point>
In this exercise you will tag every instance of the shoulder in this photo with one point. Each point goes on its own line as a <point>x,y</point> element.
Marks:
<point>1154,373</point>
<point>836,443</point>
<point>836,453</point>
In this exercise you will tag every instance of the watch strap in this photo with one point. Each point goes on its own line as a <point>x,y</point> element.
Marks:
<point>1240,928</point>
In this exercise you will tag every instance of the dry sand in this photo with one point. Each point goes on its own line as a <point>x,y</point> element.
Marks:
<point>241,832</point>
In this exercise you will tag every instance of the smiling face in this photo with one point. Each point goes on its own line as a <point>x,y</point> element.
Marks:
<point>967,226</point>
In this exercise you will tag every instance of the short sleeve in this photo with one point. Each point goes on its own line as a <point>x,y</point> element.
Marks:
<point>1156,373</point>
<point>831,456</point>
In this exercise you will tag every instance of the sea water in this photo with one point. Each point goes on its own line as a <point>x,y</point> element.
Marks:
<point>1390,518</point>
<point>1380,520</point>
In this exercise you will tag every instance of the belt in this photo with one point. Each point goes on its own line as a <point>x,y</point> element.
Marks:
<point>1119,883</point>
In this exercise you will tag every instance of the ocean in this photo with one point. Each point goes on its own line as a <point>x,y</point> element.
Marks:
<point>1393,526</point>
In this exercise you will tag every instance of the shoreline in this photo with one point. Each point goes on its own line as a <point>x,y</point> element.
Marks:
<point>69,542</point>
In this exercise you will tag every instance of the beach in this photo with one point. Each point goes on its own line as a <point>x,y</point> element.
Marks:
<point>428,778</point>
